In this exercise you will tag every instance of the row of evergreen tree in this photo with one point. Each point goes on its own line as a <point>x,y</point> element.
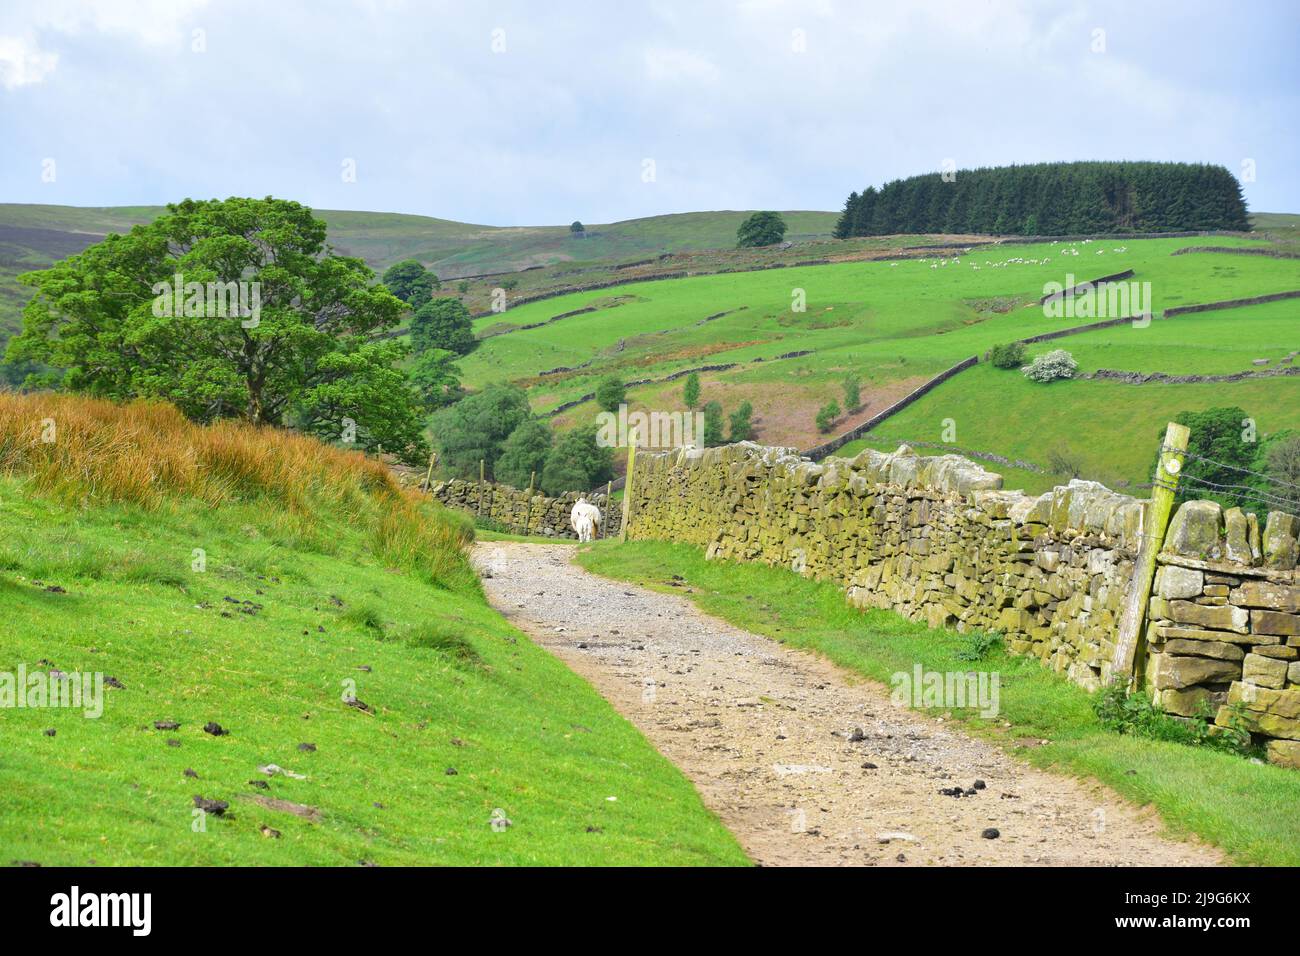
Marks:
<point>1051,199</point>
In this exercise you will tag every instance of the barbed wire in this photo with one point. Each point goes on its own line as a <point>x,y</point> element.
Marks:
<point>1244,493</point>
<point>1219,464</point>
<point>1272,501</point>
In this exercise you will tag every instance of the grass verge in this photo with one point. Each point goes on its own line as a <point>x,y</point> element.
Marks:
<point>331,626</point>
<point>1244,807</point>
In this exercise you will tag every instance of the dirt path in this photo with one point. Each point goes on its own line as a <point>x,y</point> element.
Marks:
<point>767,735</point>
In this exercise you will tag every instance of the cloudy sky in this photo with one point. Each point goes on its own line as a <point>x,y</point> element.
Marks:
<point>533,113</point>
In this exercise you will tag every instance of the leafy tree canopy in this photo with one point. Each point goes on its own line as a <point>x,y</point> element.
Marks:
<point>443,324</point>
<point>524,453</point>
<point>761,229</point>
<point>411,282</point>
<point>1225,436</point>
<point>610,393</point>
<point>436,379</point>
<point>741,423</point>
<point>265,322</point>
<point>577,462</point>
<point>477,427</point>
<point>691,390</point>
<point>826,416</point>
<point>712,424</point>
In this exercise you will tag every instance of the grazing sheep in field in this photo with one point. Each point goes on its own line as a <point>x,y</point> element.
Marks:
<point>585,518</point>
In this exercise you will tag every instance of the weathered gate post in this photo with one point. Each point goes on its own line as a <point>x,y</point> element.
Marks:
<point>428,477</point>
<point>528,518</point>
<point>1164,486</point>
<point>627,484</point>
<point>604,516</point>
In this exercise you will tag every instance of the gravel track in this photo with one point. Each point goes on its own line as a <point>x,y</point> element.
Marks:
<point>804,762</point>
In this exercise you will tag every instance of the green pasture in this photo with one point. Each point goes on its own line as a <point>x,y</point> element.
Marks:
<point>884,320</point>
<point>465,718</point>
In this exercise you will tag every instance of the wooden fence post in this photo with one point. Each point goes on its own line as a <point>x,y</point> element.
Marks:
<point>428,477</point>
<point>627,484</point>
<point>1164,486</point>
<point>604,517</point>
<point>528,517</point>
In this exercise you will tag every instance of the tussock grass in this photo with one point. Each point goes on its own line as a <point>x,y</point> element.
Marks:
<point>95,451</point>
<point>445,640</point>
<point>91,452</point>
<point>365,617</point>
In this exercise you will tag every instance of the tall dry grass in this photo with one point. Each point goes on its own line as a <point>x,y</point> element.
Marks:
<point>90,451</point>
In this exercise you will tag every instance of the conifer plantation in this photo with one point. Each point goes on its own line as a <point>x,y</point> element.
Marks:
<point>1051,199</point>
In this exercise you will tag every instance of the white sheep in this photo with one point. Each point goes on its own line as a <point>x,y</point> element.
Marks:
<point>585,518</point>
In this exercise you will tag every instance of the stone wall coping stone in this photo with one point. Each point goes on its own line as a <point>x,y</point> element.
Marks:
<point>1273,575</point>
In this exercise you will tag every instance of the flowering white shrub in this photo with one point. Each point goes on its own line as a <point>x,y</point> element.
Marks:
<point>1051,366</point>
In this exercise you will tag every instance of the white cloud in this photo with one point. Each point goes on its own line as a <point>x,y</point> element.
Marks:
<point>23,63</point>
<point>155,22</point>
<point>556,128</point>
<point>679,66</point>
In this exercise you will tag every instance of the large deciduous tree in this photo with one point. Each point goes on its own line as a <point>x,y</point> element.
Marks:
<point>228,308</point>
<point>476,428</point>
<point>577,462</point>
<point>761,229</point>
<point>411,282</point>
<point>443,324</point>
<point>524,453</point>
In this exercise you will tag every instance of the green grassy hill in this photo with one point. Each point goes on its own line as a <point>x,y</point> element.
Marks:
<point>896,324</point>
<point>330,626</point>
<point>32,236</point>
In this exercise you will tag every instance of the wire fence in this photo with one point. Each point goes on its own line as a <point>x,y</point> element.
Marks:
<point>1263,492</point>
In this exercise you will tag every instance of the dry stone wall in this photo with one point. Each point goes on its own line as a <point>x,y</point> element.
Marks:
<point>1223,631</point>
<point>521,512</point>
<point>937,539</point>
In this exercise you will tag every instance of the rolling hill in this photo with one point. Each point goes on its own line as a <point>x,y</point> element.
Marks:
<point>32,236</point>
<point>652,299</point>
<point>895,324</point>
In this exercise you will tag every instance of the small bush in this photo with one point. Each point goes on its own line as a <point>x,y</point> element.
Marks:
<point>445,641</point>
<point>1054,365</point>
<point>366,617</point>
<point>826,416</point>
<point>1010,355</point>
<point>852,393</point>
<point>1133,713</point>
<point>1063,461</point>
<point>977,646</point>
